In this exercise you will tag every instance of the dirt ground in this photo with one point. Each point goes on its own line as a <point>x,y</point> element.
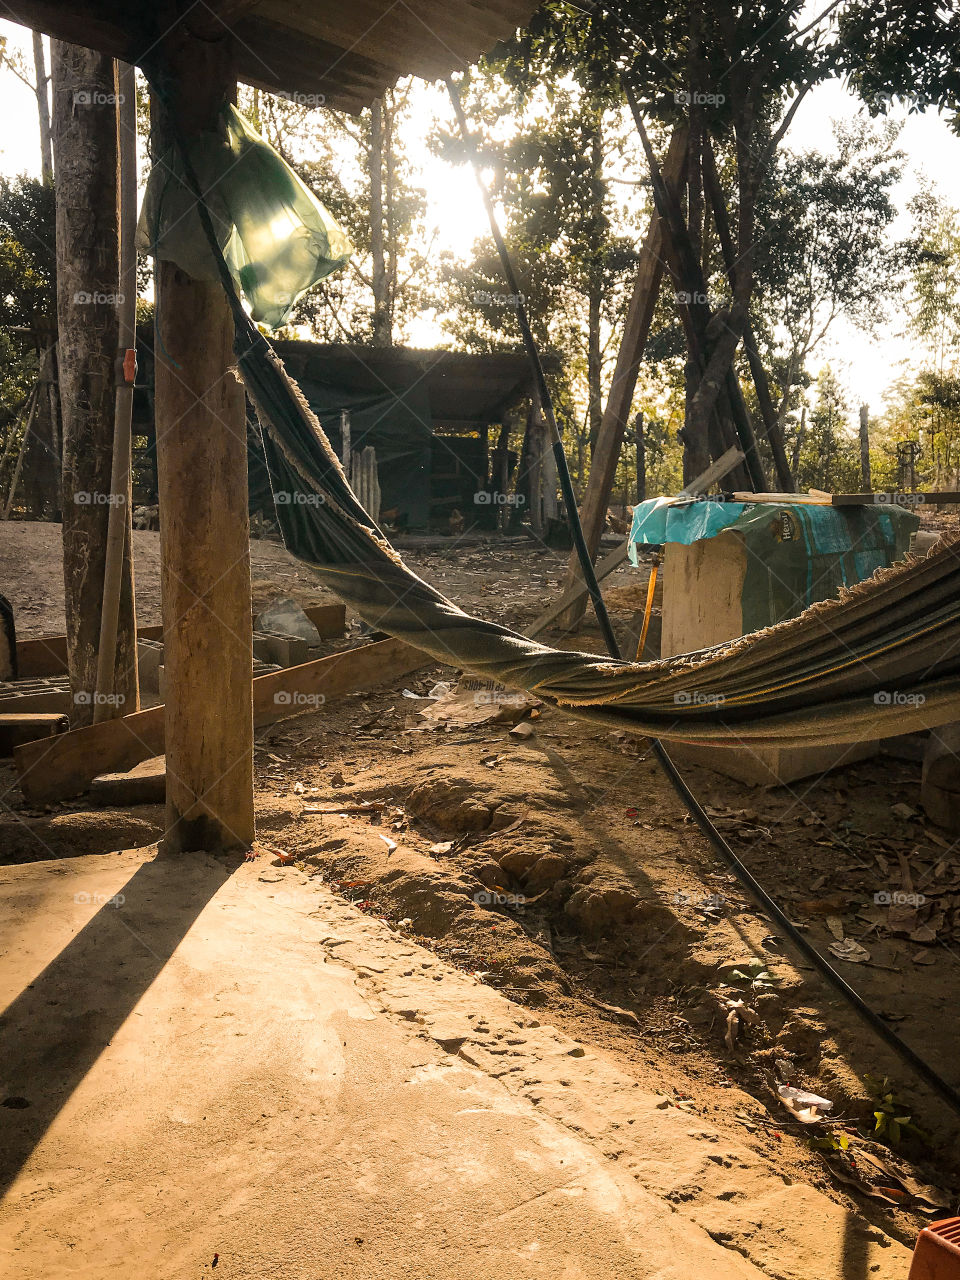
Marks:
<point>563,871</point>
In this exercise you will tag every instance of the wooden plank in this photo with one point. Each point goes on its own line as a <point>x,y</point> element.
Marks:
<point>947,498</point>
<point>15,729</point>
<point>67,765</point>
<point>276,695</point>
<point>714,473</point>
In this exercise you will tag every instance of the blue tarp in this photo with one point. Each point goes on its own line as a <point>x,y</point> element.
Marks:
<point>797,553</point>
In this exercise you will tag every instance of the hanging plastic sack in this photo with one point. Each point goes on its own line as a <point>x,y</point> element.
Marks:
<point>277,238</point>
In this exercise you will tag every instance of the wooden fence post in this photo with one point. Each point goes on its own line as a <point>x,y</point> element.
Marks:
<point>865,449</point>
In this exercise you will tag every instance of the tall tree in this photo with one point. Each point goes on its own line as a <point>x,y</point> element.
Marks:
<point>85,141</point>
<point>824,249</point>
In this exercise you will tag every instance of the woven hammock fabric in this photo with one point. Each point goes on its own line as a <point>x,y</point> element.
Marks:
<point>883,658</point>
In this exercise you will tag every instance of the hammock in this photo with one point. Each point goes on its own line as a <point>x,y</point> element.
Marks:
<point>884,655</point>
<point>887,652</point>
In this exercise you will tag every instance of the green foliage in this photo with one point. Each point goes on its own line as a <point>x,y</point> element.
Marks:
<point>824,245</point>
<point>27,292</point>
<point>924,406</point>
<point>829,456</point>
<point>907,53</point>
<point>551,156</point>
<point>27,255</point>
<point>891,1126</point>
<point>757,976</point>
<point>331,152</point>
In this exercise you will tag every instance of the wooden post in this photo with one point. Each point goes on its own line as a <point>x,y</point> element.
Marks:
<point>603,466</point>
<point>641,460</point>
<point>549,480</point>
<point>204,521</point>
<point>867,483</point>
<point>85,144</point>
<point>535,435</point>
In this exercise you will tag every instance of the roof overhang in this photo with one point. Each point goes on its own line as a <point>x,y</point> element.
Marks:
<point>338,53</point>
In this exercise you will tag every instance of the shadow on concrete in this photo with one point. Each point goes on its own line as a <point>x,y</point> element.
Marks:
<point>54,1031</point>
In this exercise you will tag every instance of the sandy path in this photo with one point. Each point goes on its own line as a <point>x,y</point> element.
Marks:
<point>234,1063</point>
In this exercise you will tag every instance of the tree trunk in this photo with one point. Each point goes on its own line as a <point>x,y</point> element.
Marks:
<point>798,444</point>
<point>390,204</point>
<point>594,370</point>
<point>43,108</point>
<point>641,461</point>
<point>204,521</point>
<point>535,434</point>
<point>88,281</point>
<point>382,335</point>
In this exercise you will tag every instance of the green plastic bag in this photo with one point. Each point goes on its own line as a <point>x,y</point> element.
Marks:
<point>277,238</point>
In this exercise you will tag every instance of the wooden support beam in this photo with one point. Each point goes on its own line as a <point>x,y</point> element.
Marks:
<point>714,473</point>
<point>66,766</point>
<point>616,413</point>
<point>204,525</point>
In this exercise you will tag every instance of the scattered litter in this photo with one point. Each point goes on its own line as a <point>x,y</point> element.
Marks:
<point>391,844</point>
<point>850,950</point>
<point>806,1107</point>
<point>523,730</point>
<point>835,925</point>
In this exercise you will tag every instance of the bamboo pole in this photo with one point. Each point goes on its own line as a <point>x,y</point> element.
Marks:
<point>119,531</point>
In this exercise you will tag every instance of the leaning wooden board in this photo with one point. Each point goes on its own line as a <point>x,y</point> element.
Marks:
<point>66,765</point>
